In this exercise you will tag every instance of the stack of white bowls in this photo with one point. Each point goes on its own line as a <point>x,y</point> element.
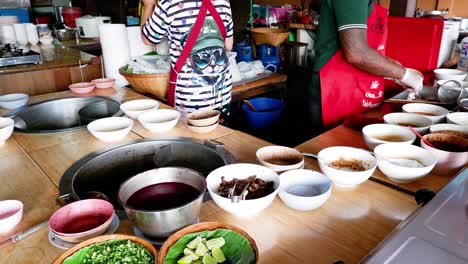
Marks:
<point>7,31</point>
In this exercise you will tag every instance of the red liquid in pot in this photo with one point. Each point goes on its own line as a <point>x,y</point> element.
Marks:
<point>162,196</point>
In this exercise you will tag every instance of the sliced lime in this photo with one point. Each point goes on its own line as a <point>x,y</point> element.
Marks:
<point>189,252</point>
<point>201,250</point>
<point>185,260</point>
<point>218,255</point>
<point>194,243</point>
<point>208,259</point>
<point>215,242</point>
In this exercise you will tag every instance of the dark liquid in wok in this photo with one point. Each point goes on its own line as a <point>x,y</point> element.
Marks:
<point>162,196</point>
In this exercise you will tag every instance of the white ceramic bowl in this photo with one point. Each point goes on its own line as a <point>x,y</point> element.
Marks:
<point>450,74</point>
<point>434,112</point>
<point>110,129</point>
<point>448,163</point>
<point>203,117</point>
<point>304,190</point>
<point>403,174</point>
<point>134,108</point>
<point>159,120</point>
<point>279,158</point>
<point>449,127</point>
<point>202,129</point>
<point>11,213</point>
<point>459,118</point>
<point>418,122</point>
<point>245,208</point>
<point>7,126</point>
<point>14,101</point>
<point>343,178</point>
<point>377,134</point>
<point>46,40</point>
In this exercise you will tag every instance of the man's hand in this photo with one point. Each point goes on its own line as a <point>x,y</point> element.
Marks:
<point>413,79</point>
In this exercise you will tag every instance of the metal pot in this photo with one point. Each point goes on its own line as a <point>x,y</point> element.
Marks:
<point>66,34</point>
<point>161,224</point>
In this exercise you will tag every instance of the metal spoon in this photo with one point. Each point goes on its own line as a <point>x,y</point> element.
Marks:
<point>314,156</point>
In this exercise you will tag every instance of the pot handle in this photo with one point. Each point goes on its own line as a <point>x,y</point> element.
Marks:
<point>212,143</point>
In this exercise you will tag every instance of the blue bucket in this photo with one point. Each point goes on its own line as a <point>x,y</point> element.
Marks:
<point>268,112</point>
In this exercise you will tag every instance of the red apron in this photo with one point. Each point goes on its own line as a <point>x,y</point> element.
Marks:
<point>206,6</point>
<point>345,89</point>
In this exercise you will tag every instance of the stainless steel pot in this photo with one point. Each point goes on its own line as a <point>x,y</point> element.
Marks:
<point>161,224</point>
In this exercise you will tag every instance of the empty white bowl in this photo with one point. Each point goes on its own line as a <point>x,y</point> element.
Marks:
<point>159,120</point>
<point>450,74</point>
<point>134,108</point>
<point>203,117</point>
<point>304,190</point>
<point>459,118</point>
<point>444,128</point>
<point>434,112</point>
<point>377,134</point>
<point>7,126</point>
<point>418,122</point>
<point>344,178</point>
<point>279,158</point>
<point>202,129</point>
<point>245,208</point>
<point>14,101</point>
<point>399,173</point>
<point>11,213</point>
<point>110,129</point>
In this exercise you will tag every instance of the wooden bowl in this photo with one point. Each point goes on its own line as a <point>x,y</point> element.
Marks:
<point>156,84</point>
<point>100,239</point>
<point>203,227</point>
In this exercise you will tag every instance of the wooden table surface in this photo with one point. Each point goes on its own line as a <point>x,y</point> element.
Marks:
<point>347,227</point>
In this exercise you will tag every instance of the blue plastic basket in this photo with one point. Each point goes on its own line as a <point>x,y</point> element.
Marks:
<point>268,112</point>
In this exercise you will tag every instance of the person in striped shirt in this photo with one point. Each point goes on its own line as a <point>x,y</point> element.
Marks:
<point>204,81</point>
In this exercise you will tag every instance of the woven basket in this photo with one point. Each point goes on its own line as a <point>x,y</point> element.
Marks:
<point>156,84</point>
<point>270,36</point>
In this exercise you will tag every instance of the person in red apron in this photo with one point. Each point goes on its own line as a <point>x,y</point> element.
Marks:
<point>350,61</point>
<point>200,33</point>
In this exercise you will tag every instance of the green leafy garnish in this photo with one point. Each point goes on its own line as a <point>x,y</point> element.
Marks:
<point>114,251</point>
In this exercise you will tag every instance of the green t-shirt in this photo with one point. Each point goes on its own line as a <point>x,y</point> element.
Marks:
<point>337,15</point>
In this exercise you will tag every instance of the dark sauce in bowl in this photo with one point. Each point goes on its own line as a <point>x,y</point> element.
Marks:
<point>85,223</point>
<point>448,146</point>
<point>162,196</point>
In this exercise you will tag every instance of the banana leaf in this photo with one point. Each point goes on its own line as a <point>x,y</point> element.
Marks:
<point>237,249</point>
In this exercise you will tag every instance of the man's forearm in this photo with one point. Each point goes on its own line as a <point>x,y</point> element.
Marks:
<point>357,52</point>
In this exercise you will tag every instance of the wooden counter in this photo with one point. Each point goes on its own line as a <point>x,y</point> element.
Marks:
<point>250,89</point>
<point>347,227</point>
